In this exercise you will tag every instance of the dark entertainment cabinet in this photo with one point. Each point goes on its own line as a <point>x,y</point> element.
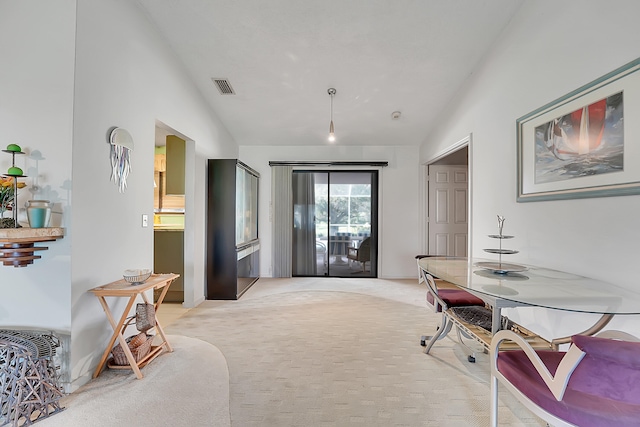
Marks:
<point>233,248</point>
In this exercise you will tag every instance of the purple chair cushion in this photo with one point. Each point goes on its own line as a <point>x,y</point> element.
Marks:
<point>600,392</point>
<point>609,369</point>
<point>455,298</point>
<point>624,352</point>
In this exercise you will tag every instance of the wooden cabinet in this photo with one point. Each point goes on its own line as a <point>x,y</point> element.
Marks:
<point>233,247</point>
<point>162,201</point>
<point>168,257</point>
<point>160,163</point>
<point>175,165</point>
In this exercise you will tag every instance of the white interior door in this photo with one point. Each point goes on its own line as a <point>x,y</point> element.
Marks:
<point>448,222</point>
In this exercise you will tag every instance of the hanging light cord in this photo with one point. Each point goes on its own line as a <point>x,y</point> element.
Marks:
<point>332,136</point>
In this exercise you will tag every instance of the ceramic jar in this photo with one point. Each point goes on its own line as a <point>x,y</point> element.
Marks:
<point>38,213</point>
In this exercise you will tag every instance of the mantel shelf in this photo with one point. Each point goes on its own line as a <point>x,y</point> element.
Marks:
<point>17,245</point>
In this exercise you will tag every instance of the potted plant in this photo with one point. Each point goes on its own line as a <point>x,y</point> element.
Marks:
<point>7,199</point>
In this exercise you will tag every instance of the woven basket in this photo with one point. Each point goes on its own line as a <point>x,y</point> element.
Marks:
<point>140,346</point>
<point>145,316</point>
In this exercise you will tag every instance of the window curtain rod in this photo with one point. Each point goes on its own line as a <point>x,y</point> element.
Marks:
<point>328,163</point>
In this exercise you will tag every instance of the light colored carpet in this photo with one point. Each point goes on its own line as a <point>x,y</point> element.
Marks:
<point>301,352</point>
<point>188,387</point>
<point>339,352</point>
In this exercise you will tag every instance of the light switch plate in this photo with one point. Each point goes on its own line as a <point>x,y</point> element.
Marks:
<point>145,220</point>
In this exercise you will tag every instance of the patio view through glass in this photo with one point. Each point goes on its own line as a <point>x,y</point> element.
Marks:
<point>334,223</point>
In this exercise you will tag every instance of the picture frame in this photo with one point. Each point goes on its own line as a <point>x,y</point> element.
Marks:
<point>580,145</point>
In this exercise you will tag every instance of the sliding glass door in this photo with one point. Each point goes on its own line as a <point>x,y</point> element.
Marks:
<point>335,223</point>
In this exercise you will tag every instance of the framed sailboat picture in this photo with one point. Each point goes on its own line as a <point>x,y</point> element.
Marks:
<point>584,144</point>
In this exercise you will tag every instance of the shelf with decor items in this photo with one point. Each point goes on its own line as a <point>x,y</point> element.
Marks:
<point>18,245</point>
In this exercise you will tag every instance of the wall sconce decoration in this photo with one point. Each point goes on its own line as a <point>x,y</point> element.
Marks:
<point>121,147</point>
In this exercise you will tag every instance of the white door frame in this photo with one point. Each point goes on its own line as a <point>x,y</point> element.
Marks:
<point>424,184</point>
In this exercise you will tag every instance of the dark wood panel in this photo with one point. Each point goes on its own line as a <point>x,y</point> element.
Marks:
<point>168,257</point>
<point>226,278</point>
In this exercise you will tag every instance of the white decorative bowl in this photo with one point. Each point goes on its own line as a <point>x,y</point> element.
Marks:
<point>137,276</point>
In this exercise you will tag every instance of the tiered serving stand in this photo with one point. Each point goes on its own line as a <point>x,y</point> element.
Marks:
<point>501,267</point>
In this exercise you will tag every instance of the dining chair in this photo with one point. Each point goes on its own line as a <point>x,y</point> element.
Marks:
<point>321,254</point>
<point>442,299</point>
<point>361,254</point>
<point>596,382</point>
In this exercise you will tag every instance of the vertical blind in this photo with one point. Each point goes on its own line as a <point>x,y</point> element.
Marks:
<point>304,225</point>
<point>282,220</point>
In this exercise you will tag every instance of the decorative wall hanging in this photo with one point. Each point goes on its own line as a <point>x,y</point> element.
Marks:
<point>579,145</point>
<point>121,148</point>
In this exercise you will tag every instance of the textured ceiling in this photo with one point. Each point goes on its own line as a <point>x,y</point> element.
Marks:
<point>281,57</point>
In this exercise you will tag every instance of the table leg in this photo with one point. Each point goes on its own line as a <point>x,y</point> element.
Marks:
<point>117,334</point>
<point>496,319</point>
<point>338,250</point>
<point>597,327</point>
<point>442,331</point>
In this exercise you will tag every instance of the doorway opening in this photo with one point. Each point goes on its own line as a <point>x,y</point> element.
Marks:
<point>335,217</point>
<point>169,210</point>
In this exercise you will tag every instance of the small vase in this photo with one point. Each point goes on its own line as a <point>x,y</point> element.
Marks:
<point>38,213</point>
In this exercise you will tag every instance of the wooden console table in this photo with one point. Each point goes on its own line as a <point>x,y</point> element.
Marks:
<point>124,289</point>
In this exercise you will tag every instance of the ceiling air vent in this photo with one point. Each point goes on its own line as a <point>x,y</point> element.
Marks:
<point>223,85</point>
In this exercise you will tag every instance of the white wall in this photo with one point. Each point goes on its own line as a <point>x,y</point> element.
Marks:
<point>124,76</point>
<point>398,207</point>
<point>549,49</point>
<point>36,107</point>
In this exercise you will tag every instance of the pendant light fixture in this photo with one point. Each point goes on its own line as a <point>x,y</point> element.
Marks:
<point>332,137</point>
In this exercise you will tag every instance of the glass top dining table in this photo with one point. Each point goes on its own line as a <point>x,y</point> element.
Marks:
<point>533,286</point>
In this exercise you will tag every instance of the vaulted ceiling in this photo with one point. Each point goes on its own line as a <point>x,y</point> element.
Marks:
<point>281,56</point>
